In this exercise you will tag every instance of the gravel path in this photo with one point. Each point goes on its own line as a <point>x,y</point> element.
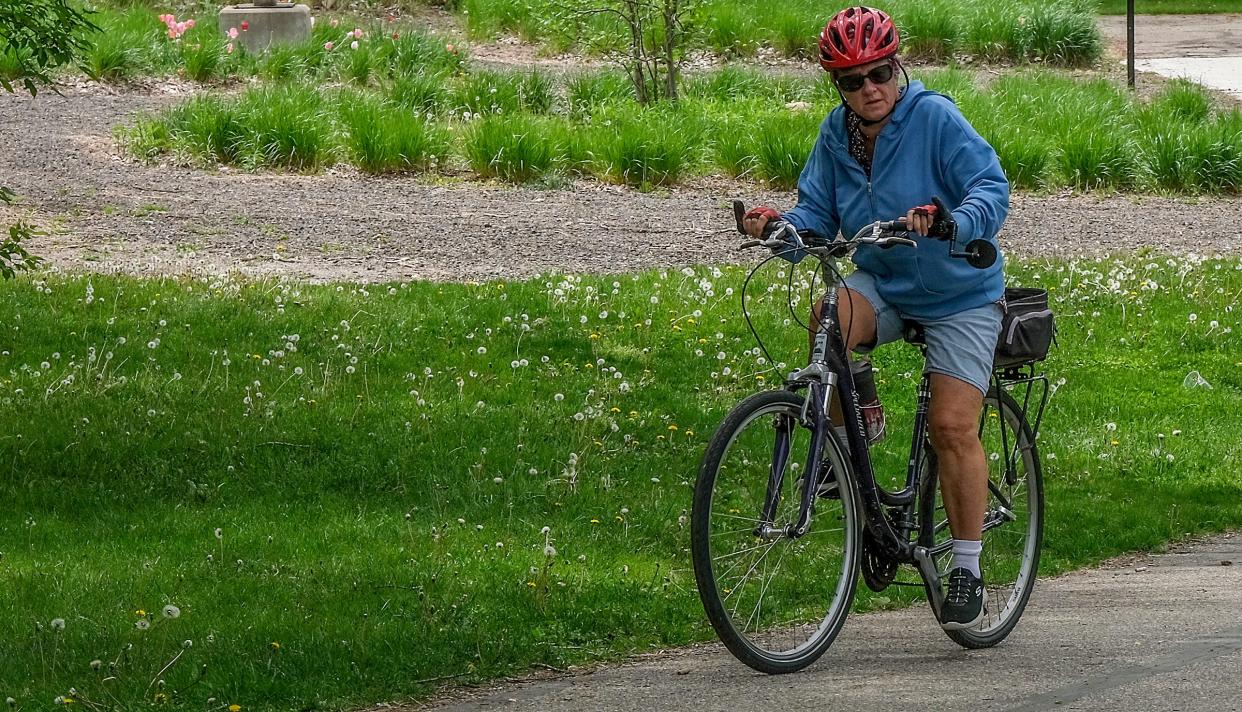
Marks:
<point>106,213</point>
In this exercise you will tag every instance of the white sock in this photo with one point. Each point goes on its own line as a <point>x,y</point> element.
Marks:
<point>966,555</point>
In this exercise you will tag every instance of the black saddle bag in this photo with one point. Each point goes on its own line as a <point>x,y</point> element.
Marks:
<point>1027,328</point>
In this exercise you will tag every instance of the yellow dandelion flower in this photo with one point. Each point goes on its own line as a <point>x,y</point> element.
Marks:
<point>594,337</point>
<point>1116,442</point>
<point>590,365</point>
<point>672,427</point>
<point>614,409</point>
<point>530,583</point>
<point>676,328</point>
<point>689,433</point>
<point>659,437</point>
<point>595,521</point>
<point>620,518</point>
<point>275,645</point>
<point>633,414</point>
<point>140,612</point>
<point>234,708</point>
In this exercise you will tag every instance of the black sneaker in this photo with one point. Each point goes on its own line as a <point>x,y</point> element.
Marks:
<point>963,602</point>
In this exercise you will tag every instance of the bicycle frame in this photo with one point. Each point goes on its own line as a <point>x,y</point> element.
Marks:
<point>828,372</point>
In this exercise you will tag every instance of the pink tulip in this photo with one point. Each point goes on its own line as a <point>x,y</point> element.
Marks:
<point>328,46</point>
<point>189,23</point>
<point>233,33</point>
<point>357,33</point>
<point>245,25</point>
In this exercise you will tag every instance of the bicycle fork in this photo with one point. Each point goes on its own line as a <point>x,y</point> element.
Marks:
<point>815,414</point>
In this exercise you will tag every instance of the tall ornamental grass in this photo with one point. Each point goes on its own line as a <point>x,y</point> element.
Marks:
<point>516,147</point>
<point>1049,130</point>
<point>1060,32</point>
<point>383,138</point>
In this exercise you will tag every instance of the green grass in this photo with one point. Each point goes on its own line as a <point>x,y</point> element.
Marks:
<point>1171,7</point>
<point>384,138</point>
<point>1049,130</point>
<point>342,488</point>
<point>1060,32</point>
<point>513,148</point>
<point>135,43</point>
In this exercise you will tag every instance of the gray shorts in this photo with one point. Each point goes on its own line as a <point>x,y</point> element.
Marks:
<point>960,345</point>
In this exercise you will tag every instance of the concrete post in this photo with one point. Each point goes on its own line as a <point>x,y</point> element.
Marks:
<point>276,23</point>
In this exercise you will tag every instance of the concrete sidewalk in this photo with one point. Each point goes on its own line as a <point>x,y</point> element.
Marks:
<point>1204,48</point>
<point>1148,633</point>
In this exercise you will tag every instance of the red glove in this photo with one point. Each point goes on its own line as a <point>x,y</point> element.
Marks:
<point>763,211</point>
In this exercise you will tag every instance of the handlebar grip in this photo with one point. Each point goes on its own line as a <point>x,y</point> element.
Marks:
<point>898,225</point>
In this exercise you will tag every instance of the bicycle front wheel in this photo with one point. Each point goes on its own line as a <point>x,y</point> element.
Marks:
<point>776,602</point>
<point>1013,523</point>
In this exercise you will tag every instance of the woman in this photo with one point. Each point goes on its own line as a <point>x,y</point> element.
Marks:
<point>886,151</point>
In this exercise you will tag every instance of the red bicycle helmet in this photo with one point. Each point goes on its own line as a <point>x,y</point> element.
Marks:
<point>857,36</point>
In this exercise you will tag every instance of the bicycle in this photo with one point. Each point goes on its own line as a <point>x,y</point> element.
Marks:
<point>751,501</point>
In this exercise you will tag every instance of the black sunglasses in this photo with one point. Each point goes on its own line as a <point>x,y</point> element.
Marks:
<point>882,74</point>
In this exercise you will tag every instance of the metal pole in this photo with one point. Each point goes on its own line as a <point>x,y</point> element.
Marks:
<point>1130,43</point>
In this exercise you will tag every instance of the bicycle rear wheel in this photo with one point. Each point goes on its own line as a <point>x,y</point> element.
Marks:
<point>776,602</point>
<point>1013,523</point>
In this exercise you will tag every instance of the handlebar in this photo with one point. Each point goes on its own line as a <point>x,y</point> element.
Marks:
<point>782,235</point>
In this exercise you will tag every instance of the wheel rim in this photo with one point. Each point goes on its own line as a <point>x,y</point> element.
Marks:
<point>1011,536</point>
<point>780,597</point>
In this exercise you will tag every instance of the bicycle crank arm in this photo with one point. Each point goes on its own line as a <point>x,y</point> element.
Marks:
<point>931,578</point>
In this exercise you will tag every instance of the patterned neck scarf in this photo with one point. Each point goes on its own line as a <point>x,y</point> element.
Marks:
<point>857,142</point>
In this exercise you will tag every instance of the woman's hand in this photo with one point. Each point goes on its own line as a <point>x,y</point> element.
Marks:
<point>757,218</point>
<point>919,220</point>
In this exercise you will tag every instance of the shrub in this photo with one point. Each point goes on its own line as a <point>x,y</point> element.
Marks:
<point>514,147</point>
<point>644,148</point>
<point>587,92</point>
<point>420,91</point>
<point>1097,157</point>
<point>284,126</point>
<point>783,141</point>
<point>489,92</point>
<point>383,138</point>
<point>1184,99</point>
<point>284,63</point>
<point>931,30</point>
<point>208,128</point>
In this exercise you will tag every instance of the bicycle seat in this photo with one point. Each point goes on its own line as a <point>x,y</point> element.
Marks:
<point>912,332</point>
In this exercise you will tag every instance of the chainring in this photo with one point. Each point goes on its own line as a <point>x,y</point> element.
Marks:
<point>878,570</point>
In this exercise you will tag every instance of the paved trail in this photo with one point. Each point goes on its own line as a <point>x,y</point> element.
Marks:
<point>1154,633</point>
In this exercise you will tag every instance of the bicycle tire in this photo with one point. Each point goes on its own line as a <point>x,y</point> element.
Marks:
<point>1008,586</point>
<point>730,478</point>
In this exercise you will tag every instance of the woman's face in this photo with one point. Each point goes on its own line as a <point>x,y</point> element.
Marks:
<point>873,101</point>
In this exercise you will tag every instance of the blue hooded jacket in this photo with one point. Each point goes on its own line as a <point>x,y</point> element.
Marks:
<point>926,149</point>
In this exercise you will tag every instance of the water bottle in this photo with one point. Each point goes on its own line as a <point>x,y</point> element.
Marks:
<point>868,399</point>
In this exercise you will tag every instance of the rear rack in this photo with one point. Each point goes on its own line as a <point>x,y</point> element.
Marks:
<point>1029,389</point>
